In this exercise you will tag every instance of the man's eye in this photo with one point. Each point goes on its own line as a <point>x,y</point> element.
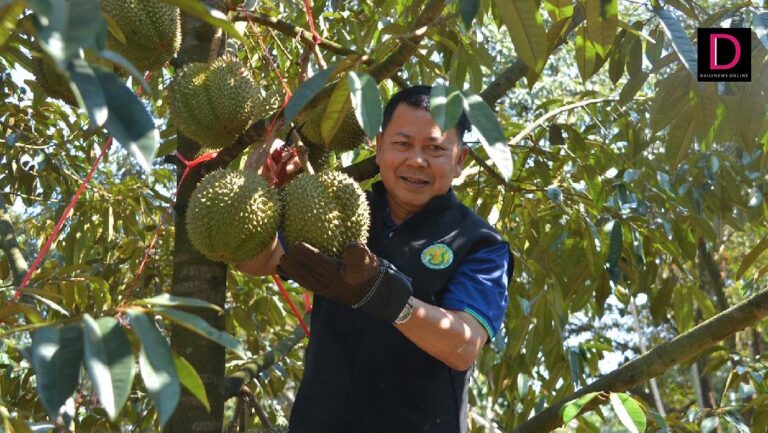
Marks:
<point>437,148</point>
<point>401,143</point>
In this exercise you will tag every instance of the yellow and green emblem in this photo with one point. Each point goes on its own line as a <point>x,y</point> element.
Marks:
<point>437,256</point>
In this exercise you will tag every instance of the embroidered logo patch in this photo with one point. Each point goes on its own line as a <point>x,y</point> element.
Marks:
<point>437,256</point>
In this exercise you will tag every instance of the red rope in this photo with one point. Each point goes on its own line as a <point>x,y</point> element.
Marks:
<point>291,304</point>
<point>315,37</point>
<point>62,219</point>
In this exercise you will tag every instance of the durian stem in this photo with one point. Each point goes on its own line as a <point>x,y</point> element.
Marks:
<point>215,45</point>
<point>303,152</point>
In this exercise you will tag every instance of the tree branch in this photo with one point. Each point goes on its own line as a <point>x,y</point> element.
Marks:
<point>10,246</point>
<point>659,359</point>
<point>389,66</point>
<point>263,362</point>
<point>293,31</point>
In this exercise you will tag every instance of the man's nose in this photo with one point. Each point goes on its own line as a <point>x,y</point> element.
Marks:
<point>417,158</point>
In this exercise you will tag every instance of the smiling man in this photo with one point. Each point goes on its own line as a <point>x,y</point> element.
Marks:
<point>397,324</point>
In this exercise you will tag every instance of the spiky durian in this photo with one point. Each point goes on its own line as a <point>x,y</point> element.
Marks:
<point>347,137</point>
<point>214,103</point>
<point>152,31</point>
<point>232,215</point>
<point>53,82</point>
<point>326,210</point>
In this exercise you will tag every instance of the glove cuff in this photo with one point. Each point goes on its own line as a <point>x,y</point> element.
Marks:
<point>389,294</point>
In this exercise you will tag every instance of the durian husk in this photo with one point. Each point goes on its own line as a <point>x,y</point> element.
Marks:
<point>53,82</point>
<point>327,210</point>
<point>152,31</point>
<point>232,215</point>
<point>214,103</point>
<point>349,135</point>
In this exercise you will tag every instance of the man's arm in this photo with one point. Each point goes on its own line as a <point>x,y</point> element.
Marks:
<point>266,262</point>
<point>453,337</point>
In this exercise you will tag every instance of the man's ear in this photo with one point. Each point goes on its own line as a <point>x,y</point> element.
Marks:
<point>379,143</point>
<point>463,152</point>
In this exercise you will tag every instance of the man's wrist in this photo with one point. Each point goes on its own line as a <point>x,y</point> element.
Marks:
<point>406,313</point>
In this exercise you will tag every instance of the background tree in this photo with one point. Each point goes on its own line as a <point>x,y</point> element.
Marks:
<point>635,201</point>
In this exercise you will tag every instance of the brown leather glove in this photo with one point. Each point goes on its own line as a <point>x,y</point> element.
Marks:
<point>360,279</point>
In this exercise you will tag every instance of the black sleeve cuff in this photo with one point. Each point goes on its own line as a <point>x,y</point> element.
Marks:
<point>388,295</point>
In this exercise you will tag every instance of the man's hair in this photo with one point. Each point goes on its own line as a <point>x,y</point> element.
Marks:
<point>418,97</point>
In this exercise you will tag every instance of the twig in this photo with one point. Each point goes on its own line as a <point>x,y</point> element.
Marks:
<point>293,31</point>
<point>215,45</point>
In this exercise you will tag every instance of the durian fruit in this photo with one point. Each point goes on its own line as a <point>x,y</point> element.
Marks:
<point>152,31</point>
<point>51,80</point>
<point>232,215</point>
<point>214,103</point>
<point>326,210</point>
<point>347,137</point>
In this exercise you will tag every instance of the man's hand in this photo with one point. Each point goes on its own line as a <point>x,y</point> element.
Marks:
<point>360,279</point>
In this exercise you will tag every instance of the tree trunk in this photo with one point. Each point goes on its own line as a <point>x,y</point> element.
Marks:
<point>195,276</point>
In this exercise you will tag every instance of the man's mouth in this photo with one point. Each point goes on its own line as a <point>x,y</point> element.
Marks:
<point>415,181</point>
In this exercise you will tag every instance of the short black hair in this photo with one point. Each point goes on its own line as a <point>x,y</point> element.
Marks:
<point>418,97</point>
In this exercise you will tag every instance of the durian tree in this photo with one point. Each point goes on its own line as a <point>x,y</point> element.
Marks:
<point>632,195</point>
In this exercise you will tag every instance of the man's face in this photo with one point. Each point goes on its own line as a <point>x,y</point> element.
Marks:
<point>416,159</point>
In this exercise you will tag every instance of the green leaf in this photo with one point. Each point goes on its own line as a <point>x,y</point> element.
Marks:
<point>366,101</point>
<point>614,251</point>
<point>602,22</point>
<point>109,361</point>
<point>559,10</point>
<point>629,412</point>
<point>210,15</point>
<point>156,366</point>
<point>491,135</point>
<point>679,39</point>
<point>751,256</point>
<point>708,425</point>
<point>445,111</point>
<point>661,423</point>
<point>526,28</point>
<point>572,409</point>
<point>335,111</point>
<point>88,91</point>
<point>128,121</point>
<point>56,354</point>
<point>168,300</point>
<point>633,85</point>
<point>468,10</point>
<point>654,49</point>
<point>119,60</point>
<point>306,91</point>
<point>9,16</point>
<point>198,325</point>
<point>66,27</point>
<point>191,380</point>
<point>586,54</point>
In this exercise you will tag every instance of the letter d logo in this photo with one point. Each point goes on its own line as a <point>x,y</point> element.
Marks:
<point>713,51</point>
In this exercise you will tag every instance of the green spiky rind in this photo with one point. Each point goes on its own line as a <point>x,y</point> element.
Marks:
<point>348,136</point>
<point>214,103</point>
<point>232,216</point>
<point>152,31</point>
<point>51,80</point>
<point>326,210</point>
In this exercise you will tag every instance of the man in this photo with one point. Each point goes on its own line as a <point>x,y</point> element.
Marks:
<point>398,323</point>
